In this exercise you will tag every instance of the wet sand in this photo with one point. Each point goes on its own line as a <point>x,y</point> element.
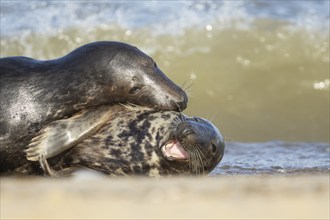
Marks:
<point>220,197</point>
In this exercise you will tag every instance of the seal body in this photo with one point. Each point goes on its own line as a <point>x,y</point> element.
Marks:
<point>141,141</point>
<point>34,93</point>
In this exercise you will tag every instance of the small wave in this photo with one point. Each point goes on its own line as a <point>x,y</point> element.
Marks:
<point>162,17</point>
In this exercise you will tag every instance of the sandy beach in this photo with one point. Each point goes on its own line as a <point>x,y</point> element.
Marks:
<point>226,197</point>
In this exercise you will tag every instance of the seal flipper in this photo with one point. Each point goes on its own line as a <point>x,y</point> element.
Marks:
<point>50,172</point>
<point>61,135</point>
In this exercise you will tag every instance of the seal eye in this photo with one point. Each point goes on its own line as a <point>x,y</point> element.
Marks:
<point>214,147</point>
<point>155,64</point>
<point>187,132</point>
<point>134,90</point>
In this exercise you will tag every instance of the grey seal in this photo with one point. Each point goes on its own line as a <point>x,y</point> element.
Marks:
<point>135,141</point>
<point>34,93</point>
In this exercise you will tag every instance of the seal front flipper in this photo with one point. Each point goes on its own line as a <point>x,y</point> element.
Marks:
<point>61,135</point>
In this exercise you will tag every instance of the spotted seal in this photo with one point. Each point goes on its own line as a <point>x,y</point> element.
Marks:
<point>136,141</point>
<point>34,93</point>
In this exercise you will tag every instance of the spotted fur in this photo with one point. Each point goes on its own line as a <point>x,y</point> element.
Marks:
<point>130,144</point>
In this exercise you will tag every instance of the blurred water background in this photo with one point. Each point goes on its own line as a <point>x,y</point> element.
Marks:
<point>259,70</point>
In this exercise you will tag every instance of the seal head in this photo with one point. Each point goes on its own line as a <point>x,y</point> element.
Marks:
<point>136,78</point>
<point>197,141</point>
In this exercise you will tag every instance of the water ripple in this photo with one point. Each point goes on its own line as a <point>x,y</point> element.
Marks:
<point>274,158</point>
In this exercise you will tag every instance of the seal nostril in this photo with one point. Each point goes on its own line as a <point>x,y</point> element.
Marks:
<point>134,90</point>
<point>184,101</point>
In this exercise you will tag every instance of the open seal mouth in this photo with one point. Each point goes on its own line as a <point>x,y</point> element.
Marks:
<point>174,151</point>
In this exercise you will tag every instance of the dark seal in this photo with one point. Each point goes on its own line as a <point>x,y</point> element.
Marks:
<point>137,141</point>
<point>34,93</point>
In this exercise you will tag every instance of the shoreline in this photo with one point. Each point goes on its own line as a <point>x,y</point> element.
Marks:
<point>216,197</point>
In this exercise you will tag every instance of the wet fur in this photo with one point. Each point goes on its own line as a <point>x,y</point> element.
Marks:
<point>34,93</point>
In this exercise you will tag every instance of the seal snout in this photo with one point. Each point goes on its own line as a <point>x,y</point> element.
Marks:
<point>182,101</point>
<point>174,102</point>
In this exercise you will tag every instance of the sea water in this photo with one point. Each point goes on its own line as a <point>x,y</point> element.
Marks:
<point>259,70</point>
<point>274,157</point>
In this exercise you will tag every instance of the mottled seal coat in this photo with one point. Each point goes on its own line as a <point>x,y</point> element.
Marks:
<point>140,141</point>
<point>34,93</point>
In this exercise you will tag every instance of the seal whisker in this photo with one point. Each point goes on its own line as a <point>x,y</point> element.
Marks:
<point>134,107</point>
<point>197,169</point>
<point>195,161</point>
<point>229,138</point>
<point>182,117</point>
<point>213,116</point>
<point>191,160</point>
<point>205,160</point>
<point>177,120</point>
<point>187,85</point>
<point>200,160</point>
<point>200,151</point>
<point>180,114</point>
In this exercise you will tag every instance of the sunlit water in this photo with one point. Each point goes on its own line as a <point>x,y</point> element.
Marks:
<point>259,70</point>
